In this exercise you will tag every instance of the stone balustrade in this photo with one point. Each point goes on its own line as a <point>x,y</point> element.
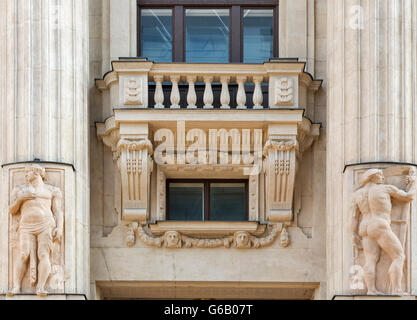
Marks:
<point>131,80</point>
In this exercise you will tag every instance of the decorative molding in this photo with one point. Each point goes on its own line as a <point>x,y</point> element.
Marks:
<point>308,133</point>
<point>133,94</point>
<point>280,168</point>
<point>108,132</point>
<point>135,166</point>
<point>239,240</point>
<point>284,91</point>
<point>289,145</point>
<point>211,229</point>
<point>254,197</point>
<point>161,194</point>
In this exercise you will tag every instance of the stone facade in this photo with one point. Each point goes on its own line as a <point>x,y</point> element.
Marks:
<point>328,152</point>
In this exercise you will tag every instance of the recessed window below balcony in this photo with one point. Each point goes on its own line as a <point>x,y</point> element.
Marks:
<point>207,200</point>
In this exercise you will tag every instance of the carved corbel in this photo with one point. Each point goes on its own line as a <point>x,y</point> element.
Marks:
<point>308,133</point>
<point>280,167</point>
<point>109,133</point>
<point>135,166</point>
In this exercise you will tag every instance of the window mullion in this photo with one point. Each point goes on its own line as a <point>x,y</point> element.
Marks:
<point>206,200</point>
<point>178,50</point>
<point>235,34</point>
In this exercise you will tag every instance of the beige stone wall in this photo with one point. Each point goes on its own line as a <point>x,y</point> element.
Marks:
<point>301,264</point>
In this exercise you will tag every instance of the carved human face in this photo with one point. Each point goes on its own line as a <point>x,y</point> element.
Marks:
<point>242,239</point>
<point>284,238</point>
<point>172,239</point>
<point>378,178</point>
<point>30,175</point>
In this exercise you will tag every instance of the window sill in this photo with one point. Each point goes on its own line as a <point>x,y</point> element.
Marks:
<point>207,228</point>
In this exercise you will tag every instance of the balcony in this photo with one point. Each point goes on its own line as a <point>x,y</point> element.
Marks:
<point>176,107</point>
<point>278,84</point>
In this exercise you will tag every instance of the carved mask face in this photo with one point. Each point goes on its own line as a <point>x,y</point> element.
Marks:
<point>172,239</point>
<point>242,239</point>
<point>284,238</point>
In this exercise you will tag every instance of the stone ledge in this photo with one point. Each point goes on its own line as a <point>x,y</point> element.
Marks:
<point>387,297</point>
<point>18,297</point>
<point>212,228</point>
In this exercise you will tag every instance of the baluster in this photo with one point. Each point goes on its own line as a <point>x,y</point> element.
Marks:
<point>159,92</point>
<point>192,96</point>
<point>208,93</point>
<point>175,93</point>
<point>225,95</point>
<point>257,94</point>
<point>241,94</point>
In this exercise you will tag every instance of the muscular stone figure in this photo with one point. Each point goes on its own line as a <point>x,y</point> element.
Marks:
<point>373,233</point>
<point>41,224</point>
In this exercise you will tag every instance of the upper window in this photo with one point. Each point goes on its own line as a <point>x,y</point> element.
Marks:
<point>208,31</point>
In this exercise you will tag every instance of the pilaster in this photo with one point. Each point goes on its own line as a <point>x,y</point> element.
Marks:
<point>371,96</point>
<point>44,120</point>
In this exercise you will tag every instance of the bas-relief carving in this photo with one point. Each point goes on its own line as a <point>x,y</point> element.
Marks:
<point>380,215</point>
<point>135,166</point>
<point>239,240</point>
<point>133,92</point>
<point>280,167</point>
<point>36,231</point>
<point>284,92</point>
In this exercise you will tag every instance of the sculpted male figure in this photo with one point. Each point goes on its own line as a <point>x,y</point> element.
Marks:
<point>373,233</point>
<point>41,224</point>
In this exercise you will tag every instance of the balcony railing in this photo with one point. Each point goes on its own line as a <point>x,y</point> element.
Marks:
<point>136,83</point>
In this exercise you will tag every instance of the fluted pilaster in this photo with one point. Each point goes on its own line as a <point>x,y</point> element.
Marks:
<point>372,90</point>
<point>43,114</point>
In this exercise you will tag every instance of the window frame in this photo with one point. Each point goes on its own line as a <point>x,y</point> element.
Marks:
<point>236,34</point>
<point>206,203</point>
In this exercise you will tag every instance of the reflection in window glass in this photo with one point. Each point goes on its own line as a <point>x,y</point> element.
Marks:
<point>258,35</point>
<point>186,201</point>
<point>207,35</point>
<point>227,201</point>
<point>156,33</point>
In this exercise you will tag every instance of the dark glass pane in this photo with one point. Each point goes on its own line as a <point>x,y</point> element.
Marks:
<point>227,202</point>
<point>207,35</point>
<point>186,201</point>
<point>258,35</point>
<point>156,36</point>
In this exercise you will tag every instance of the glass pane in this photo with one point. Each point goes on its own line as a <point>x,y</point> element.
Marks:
<point>186,201</point>
<point>227,202</point>
<point>258,35</point>
<point>207,35</point>
<point>156,34</point>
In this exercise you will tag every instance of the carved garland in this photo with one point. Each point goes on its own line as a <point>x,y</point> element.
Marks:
<point>240,240</point>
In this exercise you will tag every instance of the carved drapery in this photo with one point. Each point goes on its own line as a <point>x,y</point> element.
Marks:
<point>135,166</point>
<point>239,240</point>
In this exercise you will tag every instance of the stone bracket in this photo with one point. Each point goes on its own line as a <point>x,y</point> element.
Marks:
<point>280,167</point>
<point>135,166</point>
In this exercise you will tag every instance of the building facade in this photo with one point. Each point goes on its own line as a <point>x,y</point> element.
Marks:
<point>182,149</point>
